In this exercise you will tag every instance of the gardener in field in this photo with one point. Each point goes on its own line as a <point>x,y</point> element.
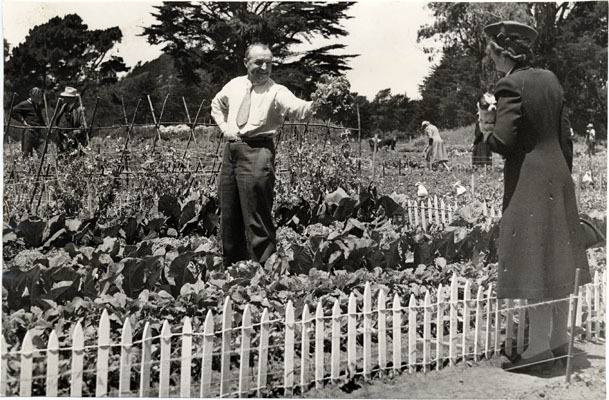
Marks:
<point>71,137</point>
<point>29,113</point>
<point>249,110</point>
<point>435,151</point>
<point>540,240</point>
<point>590,139</point>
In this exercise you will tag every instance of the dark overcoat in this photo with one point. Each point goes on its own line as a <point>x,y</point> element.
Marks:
<point>540,239</point>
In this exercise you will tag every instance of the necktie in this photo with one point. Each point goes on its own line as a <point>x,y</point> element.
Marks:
<point>244,109</point>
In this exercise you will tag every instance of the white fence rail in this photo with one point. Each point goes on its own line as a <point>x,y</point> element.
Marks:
<point>290,354</point>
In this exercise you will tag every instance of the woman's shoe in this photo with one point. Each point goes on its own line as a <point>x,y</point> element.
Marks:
<point>539,362</point>
<point>561,352</point>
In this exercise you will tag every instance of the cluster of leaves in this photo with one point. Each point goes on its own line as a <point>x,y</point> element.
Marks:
<point>332,97</point>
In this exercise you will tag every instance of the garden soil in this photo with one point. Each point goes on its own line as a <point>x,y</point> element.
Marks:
<point>486,380</point>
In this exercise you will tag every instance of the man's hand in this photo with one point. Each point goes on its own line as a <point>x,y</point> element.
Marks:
<point>231,134</point>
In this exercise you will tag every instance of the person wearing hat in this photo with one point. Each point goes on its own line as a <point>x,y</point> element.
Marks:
<point>71,136</point>
<point>435,151</point>
<point>29,113</point>
<point>590,139</point>
<point>540,241</point>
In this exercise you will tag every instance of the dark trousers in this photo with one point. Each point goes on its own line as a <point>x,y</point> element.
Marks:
<point>31,141</point>
<point>246,193</point>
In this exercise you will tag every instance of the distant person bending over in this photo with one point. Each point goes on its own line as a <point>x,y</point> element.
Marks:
<point>71,135</point>
<point>541,242</point>
<point>590,140</point>
<point>435,152</point>
<point>481,154</point>
<point>29,113</point>
<point>249,110</point>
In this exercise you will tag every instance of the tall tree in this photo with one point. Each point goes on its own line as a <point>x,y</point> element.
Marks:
<point>213,37</point>
<point>63,51</point>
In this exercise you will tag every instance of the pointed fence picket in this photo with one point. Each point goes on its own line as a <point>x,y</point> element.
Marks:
<point>475,329</point>
<point>103,356</point>
<point>78,354</point>
<point>382,330</point>
<point>52,365</point>
<point>304,350</point>
<point>146,361</point>
<point>288,371</point>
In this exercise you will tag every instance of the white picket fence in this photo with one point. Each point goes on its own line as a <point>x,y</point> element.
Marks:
<point>318,348</point>
<point>424,213</point>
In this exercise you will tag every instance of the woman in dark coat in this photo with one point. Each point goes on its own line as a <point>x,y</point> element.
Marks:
<point>540,243</point>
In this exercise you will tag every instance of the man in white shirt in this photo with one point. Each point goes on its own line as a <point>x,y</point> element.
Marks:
<point>249,110</point>
<point>590,139</point>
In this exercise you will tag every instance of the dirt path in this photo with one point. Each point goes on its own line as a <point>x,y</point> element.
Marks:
<point>487,380</point>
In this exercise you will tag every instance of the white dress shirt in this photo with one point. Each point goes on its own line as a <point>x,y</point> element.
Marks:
<point>270,104</point>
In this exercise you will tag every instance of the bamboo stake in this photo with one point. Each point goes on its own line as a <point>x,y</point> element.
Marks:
<point>44,152</point>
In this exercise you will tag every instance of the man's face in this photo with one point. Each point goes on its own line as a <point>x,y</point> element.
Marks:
<point>259,65</point>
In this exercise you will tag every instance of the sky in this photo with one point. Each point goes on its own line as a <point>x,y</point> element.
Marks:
<point>383,33</point>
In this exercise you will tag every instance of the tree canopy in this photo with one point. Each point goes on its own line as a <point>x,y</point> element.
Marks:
<point>213,37</point>
<point>572,43</point>
<point>64,52</point>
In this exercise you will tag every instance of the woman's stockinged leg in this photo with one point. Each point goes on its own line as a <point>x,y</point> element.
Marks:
<point>540,324</point>
<point>560,315</point>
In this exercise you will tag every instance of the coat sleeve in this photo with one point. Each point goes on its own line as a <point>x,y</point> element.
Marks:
<point>566,144</point>
<point>508,118</point>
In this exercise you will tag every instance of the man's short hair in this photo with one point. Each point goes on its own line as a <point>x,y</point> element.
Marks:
<point>251,46</point>
<point>35,92</point>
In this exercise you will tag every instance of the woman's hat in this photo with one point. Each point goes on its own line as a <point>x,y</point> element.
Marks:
<point>511,29</point>
<point>69,92</point>
<point>590,126</point>
<point>424,124</point>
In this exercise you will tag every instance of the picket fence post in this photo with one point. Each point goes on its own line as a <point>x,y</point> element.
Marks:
<point>165,365</point>
<point>382,330</point>
<point>439,326</point>
<point>244,361</point>
<point>263,352</point>
<point>412,334</point>
<point>416,214</point>
<point>579,311</point>
<point>225,350</point>
<point>429,211</point>
<point>335,357</point>
<point>367,331</point>
<point>466,319</point>
<point>78,355</point>
<point>3,368</point>
<point>411,222</point>
<point>450,214</point>
<point>288,371</point>
<point>351,335</point>
<point>436,211</point>
<point>304,350</point>
<point>452,336</point>
<point>443,211</point>
<point>103,356</point>
<point>52,365</point>
<point>497,338</point>
<point>426,331</point>
<point>319,345</point>
<point>25,375</point>
<point>509,329</point>
<point>146,362</point>
<point>125,360</point>
<point>478,325</point>
<point>487,333</point>
<point>423,221</point>
<point>588,290</point>
<point>521,325</point>
<point>206,356</point>
<point>185,365</point>
<point>597,305</point>
<point>397,333</point>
